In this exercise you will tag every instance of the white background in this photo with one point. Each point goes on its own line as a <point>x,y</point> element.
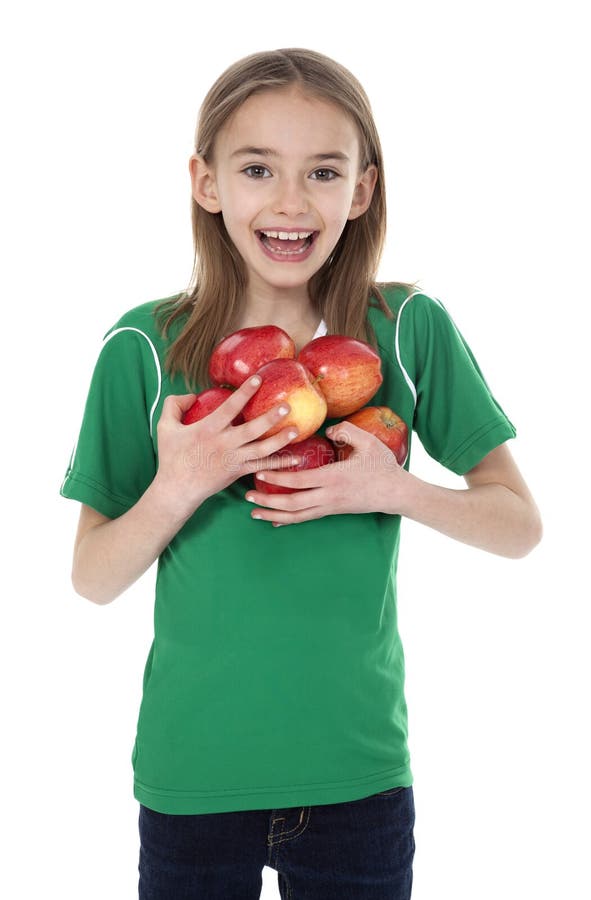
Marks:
<point>482,111</point>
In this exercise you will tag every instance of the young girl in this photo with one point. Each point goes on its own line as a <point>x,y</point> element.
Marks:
<point>273,727</point>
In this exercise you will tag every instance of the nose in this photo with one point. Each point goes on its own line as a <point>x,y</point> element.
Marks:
<point>290,197</point>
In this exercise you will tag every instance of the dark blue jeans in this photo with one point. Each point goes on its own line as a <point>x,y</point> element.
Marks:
<point>359,850</point>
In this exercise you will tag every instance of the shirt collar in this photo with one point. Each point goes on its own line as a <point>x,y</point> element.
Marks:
<point>321,330</point>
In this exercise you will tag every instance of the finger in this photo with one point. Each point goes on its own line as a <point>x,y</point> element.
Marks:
<point>276,462</point>
<point>294,502</point>
<point>259,452</point>
<point>278,517</point>
<point>270,421</point>
<point>305,479</point>
<point>175,405</point>
<point>229,409</point>
<point>348,433</point>
<point>246,459</point>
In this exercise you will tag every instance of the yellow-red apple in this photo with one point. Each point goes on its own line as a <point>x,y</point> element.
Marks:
<point>288,380</point>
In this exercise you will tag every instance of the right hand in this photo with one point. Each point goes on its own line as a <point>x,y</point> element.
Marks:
<point>198,460</point>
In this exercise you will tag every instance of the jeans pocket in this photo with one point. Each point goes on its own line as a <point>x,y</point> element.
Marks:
<point>391,792</point>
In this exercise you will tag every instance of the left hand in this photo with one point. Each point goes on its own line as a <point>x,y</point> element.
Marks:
<point>368,481</point>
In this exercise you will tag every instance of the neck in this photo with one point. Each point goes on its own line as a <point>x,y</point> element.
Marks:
<point>290,310</point>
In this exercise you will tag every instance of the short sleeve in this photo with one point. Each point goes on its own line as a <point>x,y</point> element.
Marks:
<point>457,418</point>
<point>114,459</point>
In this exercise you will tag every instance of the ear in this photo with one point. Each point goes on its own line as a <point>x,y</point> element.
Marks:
<point>203,184</point>
<point>363,192</point>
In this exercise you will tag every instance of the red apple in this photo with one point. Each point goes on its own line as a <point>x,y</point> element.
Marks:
<point>242,353</point>
<point>289,380</point>
<point>314,452</point>
<point>206,402</point>
<point>348,371</point>
<point>386,425</point>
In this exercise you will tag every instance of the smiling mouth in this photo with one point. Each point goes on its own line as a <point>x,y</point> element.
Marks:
<point>287,243</point>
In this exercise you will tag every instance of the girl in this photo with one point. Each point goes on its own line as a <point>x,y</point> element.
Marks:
<point>273,727</point>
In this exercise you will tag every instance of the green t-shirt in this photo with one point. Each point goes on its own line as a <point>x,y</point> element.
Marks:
<point>276,674</point>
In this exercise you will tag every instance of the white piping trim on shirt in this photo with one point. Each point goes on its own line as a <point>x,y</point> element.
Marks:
<point>154,405</point>
<point>156,363</point>
<point>407,377</point>
<point>70,464</point>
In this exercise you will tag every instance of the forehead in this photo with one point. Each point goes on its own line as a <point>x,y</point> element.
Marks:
<point>291,122</point>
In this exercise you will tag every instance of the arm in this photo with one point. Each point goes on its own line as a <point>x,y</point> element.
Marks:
<point>195,462</point>
<point>496,512</point>
<point>110,554</point>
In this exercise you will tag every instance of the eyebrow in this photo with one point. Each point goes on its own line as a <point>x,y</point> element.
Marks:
<point>267,151</point>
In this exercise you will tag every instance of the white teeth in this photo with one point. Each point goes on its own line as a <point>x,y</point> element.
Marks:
<point>288,235</point>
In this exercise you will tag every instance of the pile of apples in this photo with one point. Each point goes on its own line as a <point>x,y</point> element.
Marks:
<point>331,376</point>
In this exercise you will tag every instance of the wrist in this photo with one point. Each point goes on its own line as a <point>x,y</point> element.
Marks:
<point>403,498</point>
<point>164,497</point>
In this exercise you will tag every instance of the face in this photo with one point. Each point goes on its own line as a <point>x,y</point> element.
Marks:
<point>285,176</point>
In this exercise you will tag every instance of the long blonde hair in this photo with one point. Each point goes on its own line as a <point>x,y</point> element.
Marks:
<point>341,290</point>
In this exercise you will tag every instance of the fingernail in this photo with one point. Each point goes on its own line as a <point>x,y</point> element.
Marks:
<point>261,477</point>
<point>250,499</point>
<point>283,410</point>
<point>255,381</point>
<point>292,434</point>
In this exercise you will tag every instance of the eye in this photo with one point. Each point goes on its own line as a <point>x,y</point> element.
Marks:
<point>257,172</point>
<point>324,175</point>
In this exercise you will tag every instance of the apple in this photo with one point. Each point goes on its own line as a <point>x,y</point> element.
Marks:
<point>242,353</point>
<point>348,371</point>
<point>289,380</point>
<point>314,452</point>
<point>206,402</point>
<point>386,425</point>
